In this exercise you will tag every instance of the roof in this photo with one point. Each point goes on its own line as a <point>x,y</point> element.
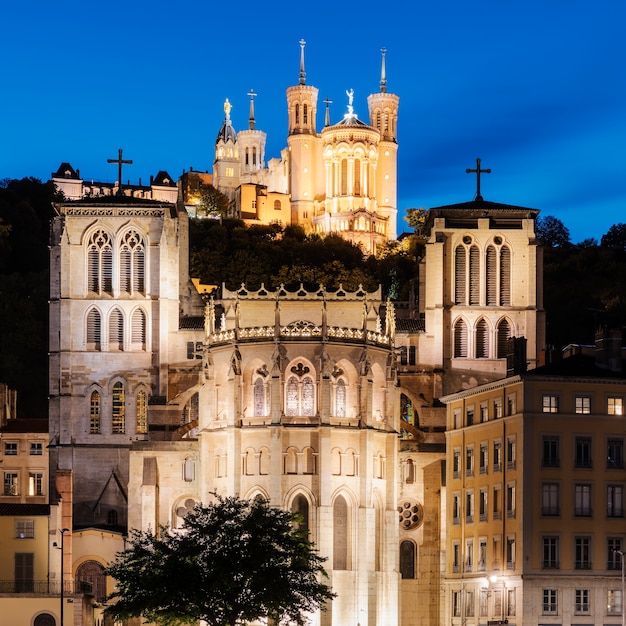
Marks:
<point>164,179</point>
<point>577,365</point>
<point>10,509</point>
<point>191,322</point>
<point>226,133</point>
<point>352,120</point>
<point>26,425</point>
<point>65,171</point>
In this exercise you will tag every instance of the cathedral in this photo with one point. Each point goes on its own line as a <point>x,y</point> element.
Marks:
<point>323,402</point>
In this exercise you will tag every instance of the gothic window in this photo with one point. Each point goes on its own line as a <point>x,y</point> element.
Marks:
<point>297,113</point>
<point>504,333</point>
<point>291,461</point>
<point>260,401</point>
<point>407,559</point>
<point>474,276</point>
<point>247,156</point>
<point>142,412</point>
<point>340,534</point>
<point>254,156</point>
<point>505,276</point>
<point>460,339</point>
<point>459,275</point>
<point>491,277</point>
<point>300,392</point>
<point>482,339</point>
<point>92,573</point>
<point>118,416</point>
<point>94,329</point>
<point>308,460</point>
<point>100,263</point>
<point>305,114</point>
<point>138,328</point>
<point>340,398</point>
<point>300,505</point>
<point>94,413</point>
<point>116,330</point>
<point>378,120</point>
<point>132,263</point>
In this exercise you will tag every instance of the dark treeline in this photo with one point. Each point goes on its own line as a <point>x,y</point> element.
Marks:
<point>584,284</point>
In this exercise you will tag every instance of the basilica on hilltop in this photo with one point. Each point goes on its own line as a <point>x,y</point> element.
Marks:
<point>323,402</point>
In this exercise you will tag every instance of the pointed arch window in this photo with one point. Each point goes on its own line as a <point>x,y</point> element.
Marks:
<point>100,263</point>
<point>460,278</point>
<point>407,559</point>
<point>300,392</point>
<point>340,534</point>
<point>94,413</point>
<point>142,412</point>
<point>357,177</point>
<point>138,328</point>
<point>504,334</point>
<point>482,339</point>
<point>340,398</point>
<point>247,156</point>
<point>94,329</point>
<point>505,276</point>
<point>297,113</point>
<point>254,156</point>
<point>260,398</point>
<point>118,415</point>
<point>305,114</point>
<point>491,277</point>
<point>132,263</point>
<point>460,339</point>
<point>116,330</point>
<point>300,505</point>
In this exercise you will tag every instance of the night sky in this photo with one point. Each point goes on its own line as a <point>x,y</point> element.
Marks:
<point>536,89</point>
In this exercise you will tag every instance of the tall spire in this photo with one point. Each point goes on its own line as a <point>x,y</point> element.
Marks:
<point>383,74</point>
<point>251,120</point>
<point>302,72</point>
<point>327,102</point>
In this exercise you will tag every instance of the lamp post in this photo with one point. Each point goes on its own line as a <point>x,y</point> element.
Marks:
<point>621,556</point>
<point>62,531</point>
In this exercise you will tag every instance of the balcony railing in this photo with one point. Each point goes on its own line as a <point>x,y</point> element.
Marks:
<point>44,587</point>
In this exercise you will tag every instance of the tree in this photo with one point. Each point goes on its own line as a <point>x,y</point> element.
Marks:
<point>552,232</point>
<point>615,237</point>
<point>212,202</point>
<point>234,561</point>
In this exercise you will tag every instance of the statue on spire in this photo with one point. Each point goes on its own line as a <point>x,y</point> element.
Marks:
<point>227,107</point>
<point>350,94</point>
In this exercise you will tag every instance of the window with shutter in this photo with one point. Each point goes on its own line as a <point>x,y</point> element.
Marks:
<point>491,277</point>
<point>482,339</point>
<point>505,276</point>
<point>460,340</point>
<point>474,271</point>
<point>93,330</point>
<point>116,330</point>
<point>459,275</point>
<point>100,263</point>
<point>504,333</point>
<point>138,328</point>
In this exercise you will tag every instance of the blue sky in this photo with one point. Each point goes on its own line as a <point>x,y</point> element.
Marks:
<point>536,89</point>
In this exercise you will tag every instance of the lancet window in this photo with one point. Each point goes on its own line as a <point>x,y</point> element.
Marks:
<point>300,392</point>
<point>94,413</point>
<point>340,534</point>
<point>460,339</point>
<point>118,414</point>
<point>142,412</point>
<point>504,333</point>
<point>116,330</point>
<point>340,398</point>
<point>100,263</point>
<point>132,263</point>
<point>482,339</point>
<point>138,328</point>
<point>94,329</point>
<point>261,393</point>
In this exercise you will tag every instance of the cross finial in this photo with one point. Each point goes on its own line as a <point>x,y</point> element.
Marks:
<point>302,72</point>
<point>119,162</point>
<point>478,172</point>
<point>251,120</point>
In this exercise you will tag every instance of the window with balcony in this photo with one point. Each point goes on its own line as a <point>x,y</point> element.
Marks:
<point>582,457</point>
<point>613,557</point>
<point>615,453</point>
<point>550,553</point>
<point>582,500</point>
<point>582,553</point>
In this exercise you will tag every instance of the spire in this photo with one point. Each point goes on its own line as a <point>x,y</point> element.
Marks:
<point>383,74</point>
<point>302,72</point>
<point>251,120</point>
<point>327,102</point>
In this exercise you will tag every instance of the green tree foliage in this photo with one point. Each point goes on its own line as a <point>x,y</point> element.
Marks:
<point>234,561</point>
<point>212,202</point>
<point>551,232</point>
<point>615,237</point>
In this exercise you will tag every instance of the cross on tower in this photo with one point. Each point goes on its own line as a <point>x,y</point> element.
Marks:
<point>119,162</point>
<point>478,172</point>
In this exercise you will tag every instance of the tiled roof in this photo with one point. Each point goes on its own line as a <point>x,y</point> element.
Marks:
<point>7,510</point>
<point>190,322</point>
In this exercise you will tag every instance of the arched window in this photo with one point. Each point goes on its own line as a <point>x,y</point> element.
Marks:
<point>291,461</point>
<point>308,461</point>
<point>297,113</point>
<point>264,462</point>
<point>300,392</point>
<point>100,263</point>
<point>138,328</point>
<point>44,619</point>
<point>249,463</point>
<point>407,412</point>
<point>460,339</point>
<point>92,574</point>
<point>260,400</point>
<point>118,415</point>
<point>300,505</point>
<point>344,177</point>
<point>505,276</point>
<point>94,329</point>
<point>305,114</point>
<point>254,156</point>
<point>335,462</point>
<point>357,177</point>
<point>277,205</point>
<point>142,412</point>
<point>132,263</point>
<point>491,277</point>
<point>94,413</point>
<point>482,339</point>
<point>340,398</point>
<point>116,330</point>
<point>340,534</point>
<point>504,333</point>
<point>247,156</point>
<point>460,278</point>
<point>409,471</point>
<point>407,559</point>
<point>474,276</point>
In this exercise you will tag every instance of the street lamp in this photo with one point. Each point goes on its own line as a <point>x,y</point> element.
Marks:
<point>621,556</point>
<point>62,531</point>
